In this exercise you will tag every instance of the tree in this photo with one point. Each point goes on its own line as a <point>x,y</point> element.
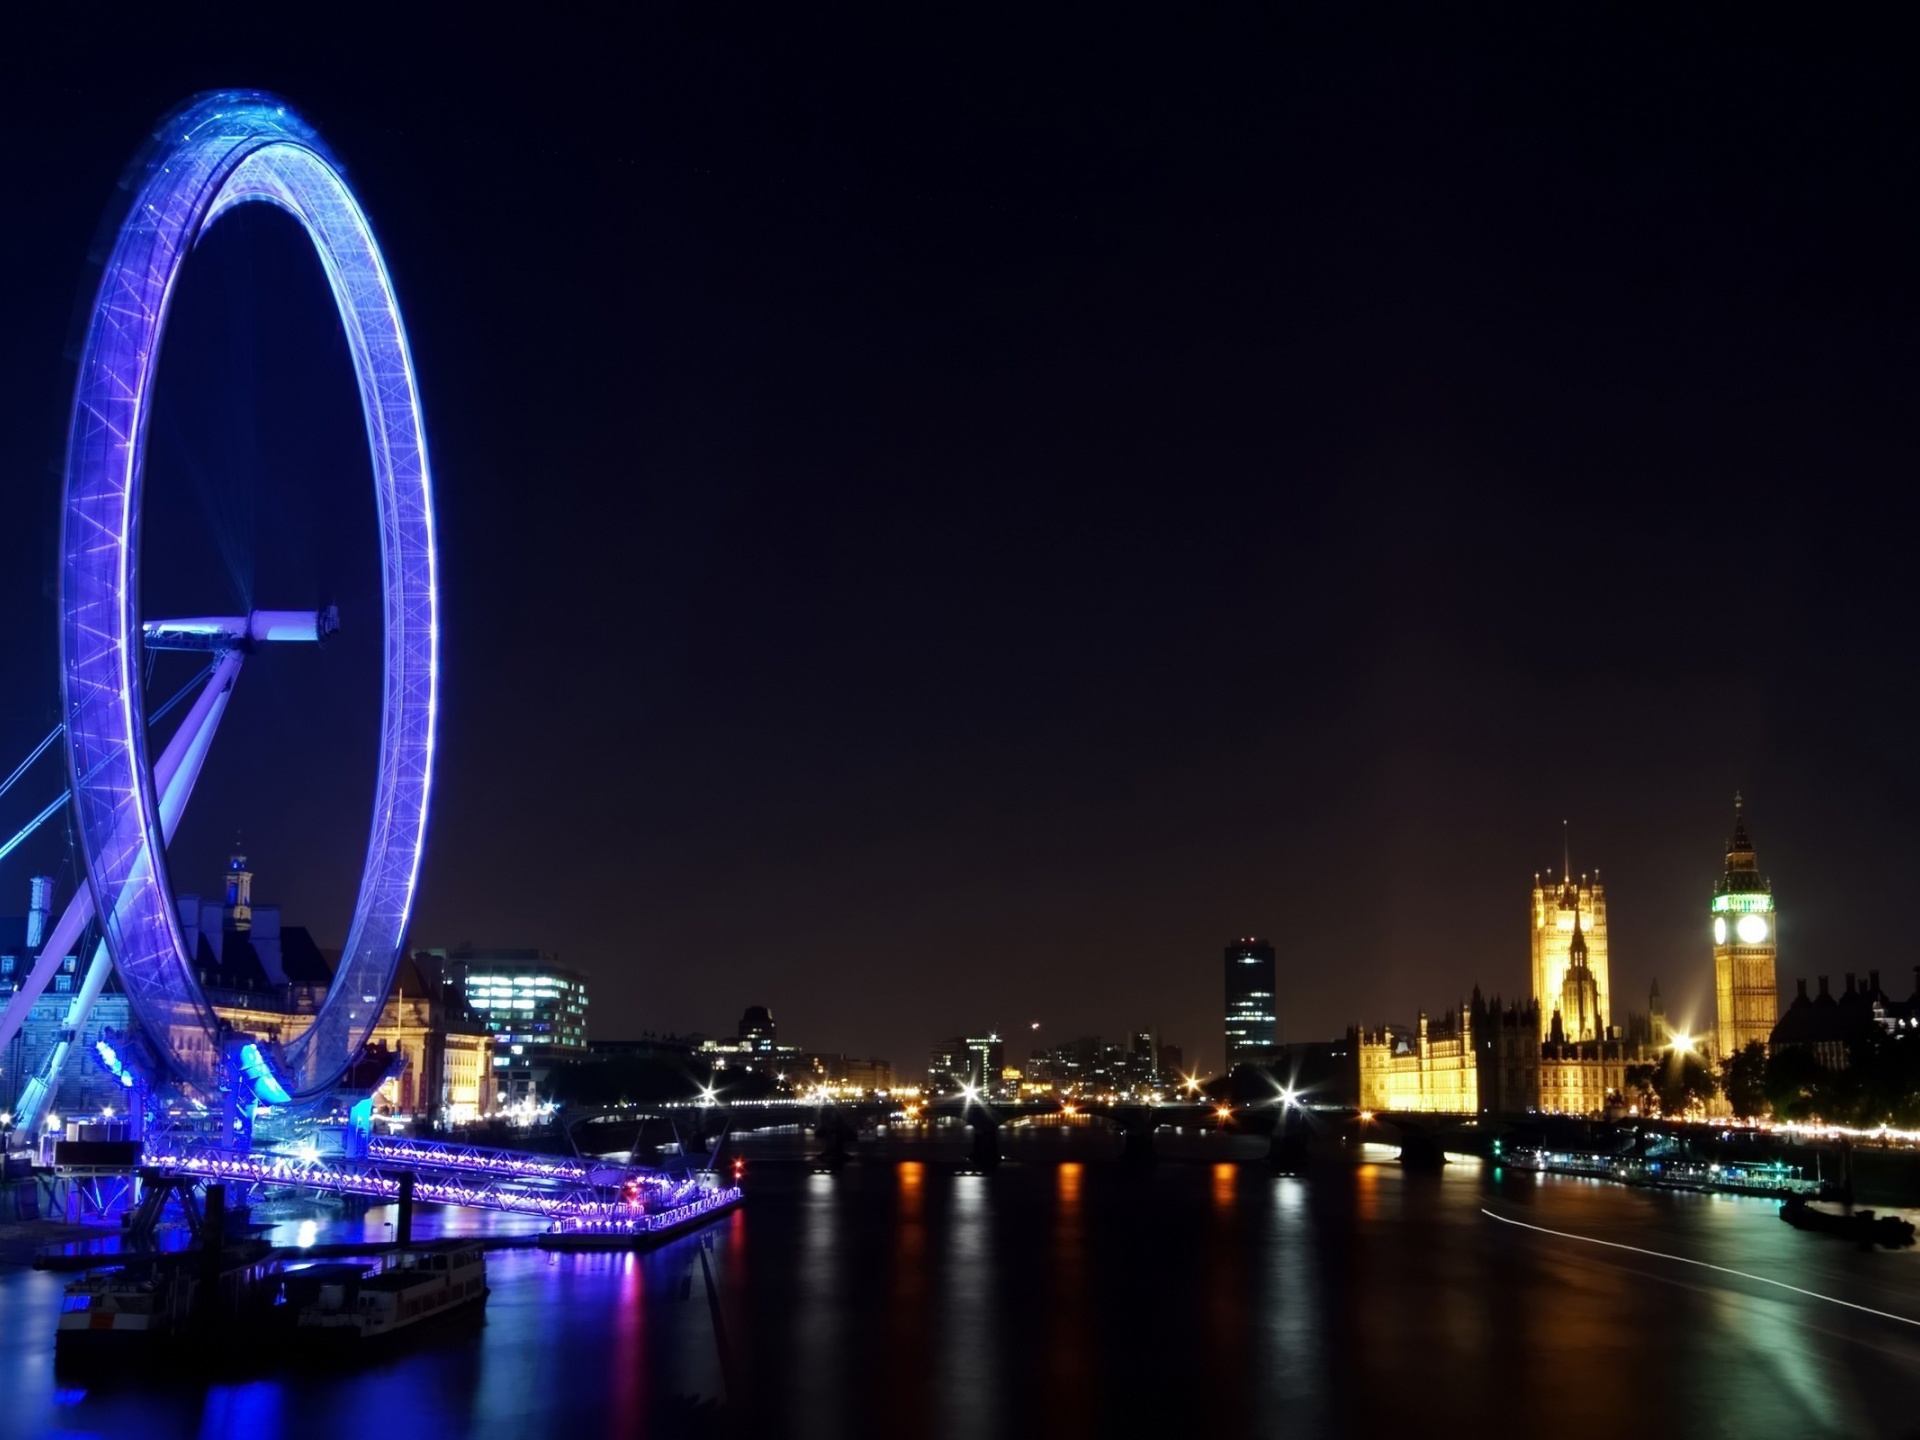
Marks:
<point>1795,1084</point>
<point>1681,1080</point>
<point>1640,1092</point>
<point>1744,1078</point>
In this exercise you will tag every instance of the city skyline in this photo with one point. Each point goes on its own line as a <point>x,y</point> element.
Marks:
<point>898,600</point>
<point>831,722</point>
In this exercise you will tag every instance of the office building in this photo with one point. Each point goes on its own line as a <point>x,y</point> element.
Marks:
<point>1252,1030</point>
<point>532,1009</point>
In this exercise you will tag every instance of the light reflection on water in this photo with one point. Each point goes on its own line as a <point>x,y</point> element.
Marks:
<point>1093,1299</point>
<point>819,1316</point>
<point>967,1394</point>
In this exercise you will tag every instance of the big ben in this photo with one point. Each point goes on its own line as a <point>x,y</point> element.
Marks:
<point>1745,943</point>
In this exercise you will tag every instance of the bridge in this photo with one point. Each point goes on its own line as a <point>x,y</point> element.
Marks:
<point>1289,1122</point>
<point>575,1195</point>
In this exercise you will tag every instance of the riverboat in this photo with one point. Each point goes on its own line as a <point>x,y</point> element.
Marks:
<point>142,1307</point>
<point>412,1288</point>
<point>1863,1227</point>
<point>656,1229</point>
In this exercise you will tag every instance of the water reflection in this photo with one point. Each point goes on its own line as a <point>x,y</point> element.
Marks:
<point>1097,1299</point>
<point>1226,1181</point>
<point>1066,1335</point>
<point>969,1390</point>
<point>629,1357</point>
<point>906,1353</point>
<point>1288,1359</point>
<point>1366,1192</point>
<point>818,1333</point>
<point>1222,1305</point>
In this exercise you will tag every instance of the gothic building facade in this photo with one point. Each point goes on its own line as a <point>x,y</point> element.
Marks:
<point>1556,1051</point>
<point>1746,946</point>
<point>1432,1068</point>
<point>1570,974</point>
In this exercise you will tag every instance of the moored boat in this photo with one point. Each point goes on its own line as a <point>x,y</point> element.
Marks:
<point>412,1288</point>
<point>144,1306</point>
<point>1863,1227</point>
<point>644,1233</point>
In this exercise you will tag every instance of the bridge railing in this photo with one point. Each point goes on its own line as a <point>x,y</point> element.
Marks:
<point>586,1205</point>
<point>510,1164</point>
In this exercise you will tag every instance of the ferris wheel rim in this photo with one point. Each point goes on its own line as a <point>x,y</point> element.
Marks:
<point>216,153</point>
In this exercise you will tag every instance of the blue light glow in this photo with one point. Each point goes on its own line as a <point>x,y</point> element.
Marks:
<point>221,151</point>
<point>116,1066</point>
<point>258,1069</point>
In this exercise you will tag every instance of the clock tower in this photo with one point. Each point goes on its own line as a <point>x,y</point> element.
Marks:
<point>1746,994</point>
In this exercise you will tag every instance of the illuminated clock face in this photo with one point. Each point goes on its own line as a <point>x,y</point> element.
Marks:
<point>1752,929</point>
<point>1719,929</point>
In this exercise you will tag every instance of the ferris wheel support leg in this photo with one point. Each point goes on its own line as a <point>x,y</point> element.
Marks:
<point>174,775</point>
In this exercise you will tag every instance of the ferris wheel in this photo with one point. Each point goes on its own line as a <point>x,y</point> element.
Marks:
<point>219,152</point>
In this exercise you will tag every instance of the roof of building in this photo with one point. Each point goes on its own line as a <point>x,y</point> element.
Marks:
<point>1816,1021</point>
<point>1742,875</point>
<point>301,961</point>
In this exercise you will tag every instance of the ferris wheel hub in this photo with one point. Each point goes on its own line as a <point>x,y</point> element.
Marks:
<point>216,633</point>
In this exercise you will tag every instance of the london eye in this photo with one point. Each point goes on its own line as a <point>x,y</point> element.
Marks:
<point>218,153</point>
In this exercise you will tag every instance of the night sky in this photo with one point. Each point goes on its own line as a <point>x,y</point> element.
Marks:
<point>946,522</point>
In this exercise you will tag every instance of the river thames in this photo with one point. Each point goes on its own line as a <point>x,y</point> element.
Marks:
<point>1083,1298</point>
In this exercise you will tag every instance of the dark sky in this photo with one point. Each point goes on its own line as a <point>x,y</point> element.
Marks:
<point>947,522</point>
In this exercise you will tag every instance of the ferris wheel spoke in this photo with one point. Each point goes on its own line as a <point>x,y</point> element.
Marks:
<point>174,775</point>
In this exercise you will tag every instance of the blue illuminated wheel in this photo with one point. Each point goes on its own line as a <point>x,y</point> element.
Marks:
<point>220,151</point>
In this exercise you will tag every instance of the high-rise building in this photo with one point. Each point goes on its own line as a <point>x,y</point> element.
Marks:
<point>757,1030</point>
<point>1745,989</point>
<point>1252,1028</point>
<point>1567,915</point>
<point>534,1011</point>
<point>970,1061</point>
<point>986,1058</point>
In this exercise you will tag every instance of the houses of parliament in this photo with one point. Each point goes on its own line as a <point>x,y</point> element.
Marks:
<point>1558,1050</point>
